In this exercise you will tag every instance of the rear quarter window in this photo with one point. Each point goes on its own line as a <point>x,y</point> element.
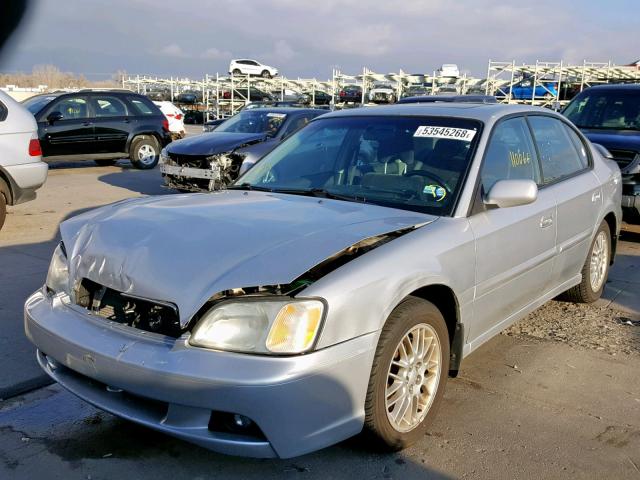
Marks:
<point>143,106</point>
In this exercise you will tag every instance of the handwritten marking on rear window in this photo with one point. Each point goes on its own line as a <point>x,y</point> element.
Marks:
<point>451,133</point>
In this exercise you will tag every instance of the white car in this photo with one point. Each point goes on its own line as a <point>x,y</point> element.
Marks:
<point>175,117</point>
<point>382,93</point>
<point>449,70</point>
<point>247,66</point>
<point>22,170</point>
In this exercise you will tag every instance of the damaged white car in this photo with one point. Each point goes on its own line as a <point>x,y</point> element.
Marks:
<point>336,285</point>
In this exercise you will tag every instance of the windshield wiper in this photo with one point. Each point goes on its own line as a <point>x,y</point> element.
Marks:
<point>248,186</point>
<point>320,192</point>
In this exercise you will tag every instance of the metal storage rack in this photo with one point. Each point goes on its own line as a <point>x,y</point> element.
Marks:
<point>502,77</point>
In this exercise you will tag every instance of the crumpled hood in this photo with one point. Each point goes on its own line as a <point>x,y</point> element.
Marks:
<point>213,143</point>
<point>185,248</point>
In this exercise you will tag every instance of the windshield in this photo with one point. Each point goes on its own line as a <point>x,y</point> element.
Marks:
<point>412,163</point>
<point>254,121</point>
<point>606,109</point>
<point>35,104</point>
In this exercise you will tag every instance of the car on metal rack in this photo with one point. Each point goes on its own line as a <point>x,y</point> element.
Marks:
<point>100,125</point>
<point>350,94</point>
<point>336,285</point>
<point>212,160</point>
<point>22,170</point>
<point>382,92</point>
<point>251,67</point>
<point>609,115</point>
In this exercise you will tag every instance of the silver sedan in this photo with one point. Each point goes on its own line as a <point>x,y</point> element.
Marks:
<point>335,287</point>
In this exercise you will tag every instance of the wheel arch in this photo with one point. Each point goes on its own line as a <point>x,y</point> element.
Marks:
<point>445,300</point>
<point>6,186</point>
<point>612,221</point>
<point>134,136</point>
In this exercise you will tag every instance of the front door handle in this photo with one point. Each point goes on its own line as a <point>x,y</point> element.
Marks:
<point>596,196</point>
<point>546,221</point>
<point>87,124</point>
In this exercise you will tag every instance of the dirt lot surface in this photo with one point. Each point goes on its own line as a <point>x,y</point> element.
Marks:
<point>556,396</point>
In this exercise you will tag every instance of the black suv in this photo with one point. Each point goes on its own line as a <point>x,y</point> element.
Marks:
<point>610,115</point>
<point>100,125</point>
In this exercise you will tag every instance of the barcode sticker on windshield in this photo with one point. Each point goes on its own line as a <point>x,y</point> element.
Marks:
<point>276,115</point>
<point>452,133</point>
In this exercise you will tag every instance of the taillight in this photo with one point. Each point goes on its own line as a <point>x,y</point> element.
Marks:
<point>34,148</point>
<point>342,93</point>
<point>178,116</point>
<point>169,115</point>
<point>165,124</point>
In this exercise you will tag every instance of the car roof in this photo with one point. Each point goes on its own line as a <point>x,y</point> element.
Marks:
<point>288,110</point>
<point>485,112</point>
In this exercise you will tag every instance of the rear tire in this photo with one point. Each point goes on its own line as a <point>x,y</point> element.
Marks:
<point>595,269</point>
<point>144,152</point>
<point>3,208</point>
<point>408,375</point>
<point>105,163</point>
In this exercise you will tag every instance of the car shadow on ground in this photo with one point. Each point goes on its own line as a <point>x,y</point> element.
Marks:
<point>146,182</point>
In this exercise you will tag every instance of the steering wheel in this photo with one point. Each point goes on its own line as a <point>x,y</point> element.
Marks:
<point>431,176</point>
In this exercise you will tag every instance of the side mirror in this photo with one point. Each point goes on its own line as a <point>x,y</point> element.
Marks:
<point>54,117</point>
<point>511,193</point>
<point>603,151</point>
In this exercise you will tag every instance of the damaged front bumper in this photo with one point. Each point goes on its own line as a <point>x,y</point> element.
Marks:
<point>295,404</point>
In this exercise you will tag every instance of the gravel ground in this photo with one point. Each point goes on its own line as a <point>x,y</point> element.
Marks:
<point>588,326</point>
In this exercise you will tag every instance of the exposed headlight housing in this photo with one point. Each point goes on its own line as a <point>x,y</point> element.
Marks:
<point>272,326</point>
<point>164,156</point>
<point>58,274</point>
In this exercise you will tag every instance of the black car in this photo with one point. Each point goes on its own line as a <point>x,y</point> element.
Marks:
<point>351,94</point>
<point>317,98</point>
<point>100,125</point>
<point>609,115</point>
<point>253,95</point>
<point>212,160</point>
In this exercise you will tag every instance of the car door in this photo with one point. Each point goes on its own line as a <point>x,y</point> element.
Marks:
<point>72,133</point>
<point>111,121</point>
<point>253,67</point>
<point>567,173</point>
<point>515,247</point>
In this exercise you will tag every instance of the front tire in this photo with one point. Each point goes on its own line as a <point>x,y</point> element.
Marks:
<point>595,269</point>
<point>144,152</point>
<point>265,74</point>
<point>408,375</point>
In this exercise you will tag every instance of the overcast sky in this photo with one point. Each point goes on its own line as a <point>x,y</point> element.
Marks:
<point>307,38</point>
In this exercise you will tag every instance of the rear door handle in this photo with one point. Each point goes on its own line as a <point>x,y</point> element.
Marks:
<point>546,221</point>
<point>87,124</point>
<point>596,196</point>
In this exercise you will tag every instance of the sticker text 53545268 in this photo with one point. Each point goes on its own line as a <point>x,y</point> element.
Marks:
<point>452,133</point>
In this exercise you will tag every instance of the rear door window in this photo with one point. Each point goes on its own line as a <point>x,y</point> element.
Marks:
<point>559,157</point>
<point>510,154</point>
<point>106,106</point>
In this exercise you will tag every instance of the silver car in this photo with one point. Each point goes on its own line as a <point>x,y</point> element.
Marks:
<point>336,285</point>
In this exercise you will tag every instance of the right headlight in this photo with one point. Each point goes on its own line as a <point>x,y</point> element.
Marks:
<point>276,326</point>
<point>58,274</point>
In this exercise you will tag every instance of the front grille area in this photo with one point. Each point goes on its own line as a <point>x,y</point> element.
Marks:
<point>143,314</point>
<point>194,161</point>
<point>623,157</point>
